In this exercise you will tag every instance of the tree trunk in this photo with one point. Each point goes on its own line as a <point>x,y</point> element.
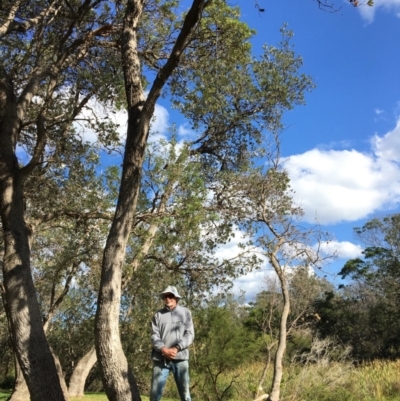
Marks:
<point>20,391</point>
<point>78,378</point>
<point>119,383</point>
<point>31,346</point>
<point>278,363</point>
<point>60,375</point>
<point>118,380</point>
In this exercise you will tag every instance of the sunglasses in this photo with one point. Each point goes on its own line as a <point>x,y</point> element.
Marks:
<point>169,295</point>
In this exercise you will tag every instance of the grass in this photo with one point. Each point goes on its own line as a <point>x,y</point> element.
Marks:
<point>88,397</point>
<point>377,381</point>
<point>102,397</point>
<point>98,397</point>
<point>4,395</point>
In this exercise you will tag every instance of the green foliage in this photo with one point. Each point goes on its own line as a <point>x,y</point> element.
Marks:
<point>56,61</point>
<point>222,346</point>
<point>174,202</point>
<point>231,99</point>
<point>365,313</point>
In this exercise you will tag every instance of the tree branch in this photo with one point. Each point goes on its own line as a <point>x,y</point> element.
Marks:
<point>54,304</point>
<point>76,215</point>
<point>39,148</point>
<point>191,20</point>
<point>15,26</point>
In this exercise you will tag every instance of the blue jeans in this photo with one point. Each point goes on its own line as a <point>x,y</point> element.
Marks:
<point>180,370</point>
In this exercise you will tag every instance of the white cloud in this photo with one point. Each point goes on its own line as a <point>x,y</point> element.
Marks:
<point>256,281</point>
<point>252,283</point>
<point>231,249</point>
<point>347,185</point>
<point>158,128</point>
<point>368,13</point>
<point>185,132</point>
<point>388,146</point>
<point>160,121</point>
<point>342,249</point>
<point>96,110</point>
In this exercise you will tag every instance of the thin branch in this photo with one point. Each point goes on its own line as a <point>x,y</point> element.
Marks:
<point>39,148</point>
<point>55,304</point>
<point>75,215</point>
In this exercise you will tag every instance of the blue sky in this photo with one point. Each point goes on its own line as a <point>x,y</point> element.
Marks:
<point>342,149</point>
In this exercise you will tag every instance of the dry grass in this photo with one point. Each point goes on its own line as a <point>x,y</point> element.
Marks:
<point>377,381</point>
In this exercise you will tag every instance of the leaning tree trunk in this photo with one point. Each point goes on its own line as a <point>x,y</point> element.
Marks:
<point>20,391</point>
<point>118,380</point>
<point>119,383</point>
<point>77,381</point>
<point>278,363</point>
<point>31,346</point>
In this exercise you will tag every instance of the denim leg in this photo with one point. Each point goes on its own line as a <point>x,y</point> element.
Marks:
<point>158,380</point>
<point>180,369</point>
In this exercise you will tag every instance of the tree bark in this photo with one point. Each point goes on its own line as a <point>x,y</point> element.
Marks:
<point>31,346</point>
<point>20,391</point>
<point>78,378</point>
<point>278,363</point>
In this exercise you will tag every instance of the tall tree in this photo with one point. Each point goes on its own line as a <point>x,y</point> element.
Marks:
<point>305,289</point>
<point>68,219</point>
<point>264,207</point>
<point>44,85</point>
<point>268,86</point>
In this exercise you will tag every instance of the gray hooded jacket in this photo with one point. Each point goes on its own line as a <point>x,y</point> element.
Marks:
<point>171,329</point>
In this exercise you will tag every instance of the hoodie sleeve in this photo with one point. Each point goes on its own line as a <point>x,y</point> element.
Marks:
<point>188,335</point>
<point>155,333</point>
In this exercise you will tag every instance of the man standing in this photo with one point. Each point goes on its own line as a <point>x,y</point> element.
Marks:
<point>172,333</point>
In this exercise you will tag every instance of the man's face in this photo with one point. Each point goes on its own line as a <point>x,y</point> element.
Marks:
<point>170,300</point>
